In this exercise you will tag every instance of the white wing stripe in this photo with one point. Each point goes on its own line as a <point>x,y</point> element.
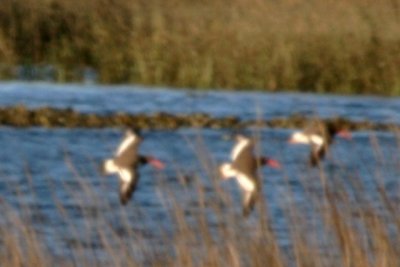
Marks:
<point>245,182</point>
<point>317,140</point>
<point>238,148</point>
<point>125,175</point>
<point>301,137</point>
<point>126,143</point>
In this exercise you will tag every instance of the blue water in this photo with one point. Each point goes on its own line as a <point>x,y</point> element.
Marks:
<point>51,175</point>
<point>105,99</point>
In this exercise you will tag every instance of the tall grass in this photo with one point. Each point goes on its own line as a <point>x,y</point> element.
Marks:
<point>323,46</point>
<point>342,224</point>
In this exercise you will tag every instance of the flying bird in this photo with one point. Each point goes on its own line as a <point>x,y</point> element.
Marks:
<point>126,162</point>
<point>244,167</point>
<point>320,137</point>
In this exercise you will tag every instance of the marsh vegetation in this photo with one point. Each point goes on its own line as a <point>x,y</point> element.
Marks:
<point>320,46</point>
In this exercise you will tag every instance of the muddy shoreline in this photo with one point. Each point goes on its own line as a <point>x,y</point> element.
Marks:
<point>21,116</point>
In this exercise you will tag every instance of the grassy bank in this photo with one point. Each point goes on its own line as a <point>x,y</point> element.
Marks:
<point>21,116</point>
<point>323,46</point>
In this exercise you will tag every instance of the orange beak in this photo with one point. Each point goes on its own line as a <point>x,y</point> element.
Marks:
<point>273,163</point>
<point>345,134</point>
<point>156,163</point>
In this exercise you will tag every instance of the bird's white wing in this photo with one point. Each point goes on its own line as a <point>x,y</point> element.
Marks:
<point>240,147</point>
<point>248,184</point>
<point>128,181</point>
<point>126,175</point>
<point>317,140</point>
<point>249,200</point>
<point>127,143</point>
<point>126,154</point>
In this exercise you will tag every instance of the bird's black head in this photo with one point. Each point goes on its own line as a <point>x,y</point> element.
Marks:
<point>273,163</point>
<point>156,163</point>
<point>334,129</point>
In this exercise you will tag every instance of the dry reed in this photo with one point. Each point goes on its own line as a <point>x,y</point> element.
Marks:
<point>341,224</point>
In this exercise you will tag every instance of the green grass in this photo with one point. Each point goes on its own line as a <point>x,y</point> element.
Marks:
<point>320,46</point>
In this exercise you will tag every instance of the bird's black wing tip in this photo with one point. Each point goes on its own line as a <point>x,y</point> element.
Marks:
<point>246,212</point>
<point>123,200</point>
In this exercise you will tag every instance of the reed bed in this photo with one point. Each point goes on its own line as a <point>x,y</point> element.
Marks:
<point>320,46</point>
<point>341,222</point>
